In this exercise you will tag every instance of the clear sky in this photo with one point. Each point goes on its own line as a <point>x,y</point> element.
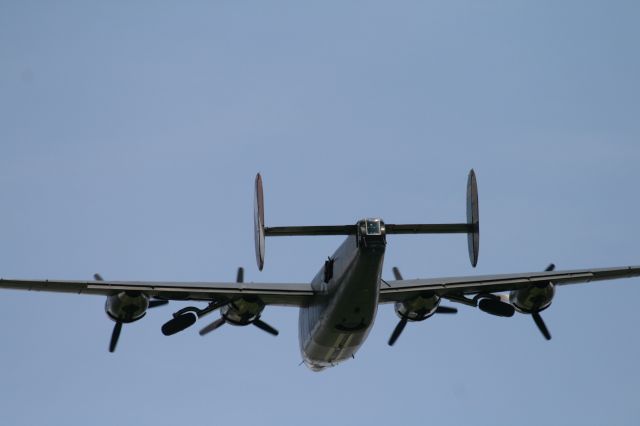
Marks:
<point>130,134</point>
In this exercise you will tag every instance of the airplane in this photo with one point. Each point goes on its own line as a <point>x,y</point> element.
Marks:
<point>337,309</point>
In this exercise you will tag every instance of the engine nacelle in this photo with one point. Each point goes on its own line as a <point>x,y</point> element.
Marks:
<point>243,311</point>
<point>533,299</point>
<point>418,308</point>
<point>127,306</point>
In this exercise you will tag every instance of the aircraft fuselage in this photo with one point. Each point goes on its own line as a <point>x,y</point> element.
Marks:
<point>338,320</point>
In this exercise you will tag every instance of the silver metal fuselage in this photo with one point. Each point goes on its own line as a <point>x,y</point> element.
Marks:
<point>338,320</point>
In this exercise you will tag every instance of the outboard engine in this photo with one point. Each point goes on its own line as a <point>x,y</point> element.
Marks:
<point>533,299</point>
<point>127,306</point>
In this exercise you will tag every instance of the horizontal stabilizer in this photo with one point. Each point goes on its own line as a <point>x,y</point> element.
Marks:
<point>287,231</point>
<point>438,228</point>
<point>419,228</point>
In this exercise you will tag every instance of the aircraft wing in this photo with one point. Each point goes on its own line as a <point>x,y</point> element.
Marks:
<point>270,294</point>
<point>399,290</point>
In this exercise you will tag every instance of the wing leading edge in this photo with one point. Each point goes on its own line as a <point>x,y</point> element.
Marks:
<point>270,293</point>
<point>299,294</point>
<point>400,290</point>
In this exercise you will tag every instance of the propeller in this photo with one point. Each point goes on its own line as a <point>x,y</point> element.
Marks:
<point>536,315</point>
<point>117,328</point>
<point>213,326</point>
<point>396,273</point>
<point>397,331</point>
<point>403,321</point>
<point>541,325</point>
<point>222,321</point>
<point>265,327</point>
<point>115,335</point>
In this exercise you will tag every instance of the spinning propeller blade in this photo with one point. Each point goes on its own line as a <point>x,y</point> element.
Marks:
<point>266,327</point>
<point>396,273</point>
<point>541,325</point>
<point>214,325</point>
<point>115,335</point>
<point>397,331</point>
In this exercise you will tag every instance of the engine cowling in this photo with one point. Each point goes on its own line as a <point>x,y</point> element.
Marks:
<point>418,308</point>
<point>243,311</point>
<point>533,299</point>
<point>127,306</point>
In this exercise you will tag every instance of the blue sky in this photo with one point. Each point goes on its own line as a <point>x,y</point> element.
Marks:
<point>130,134</point>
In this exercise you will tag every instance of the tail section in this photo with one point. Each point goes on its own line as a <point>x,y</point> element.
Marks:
<point>471,227</point>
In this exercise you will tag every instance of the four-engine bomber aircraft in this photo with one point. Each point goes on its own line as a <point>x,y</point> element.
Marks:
<point>338,307</point>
